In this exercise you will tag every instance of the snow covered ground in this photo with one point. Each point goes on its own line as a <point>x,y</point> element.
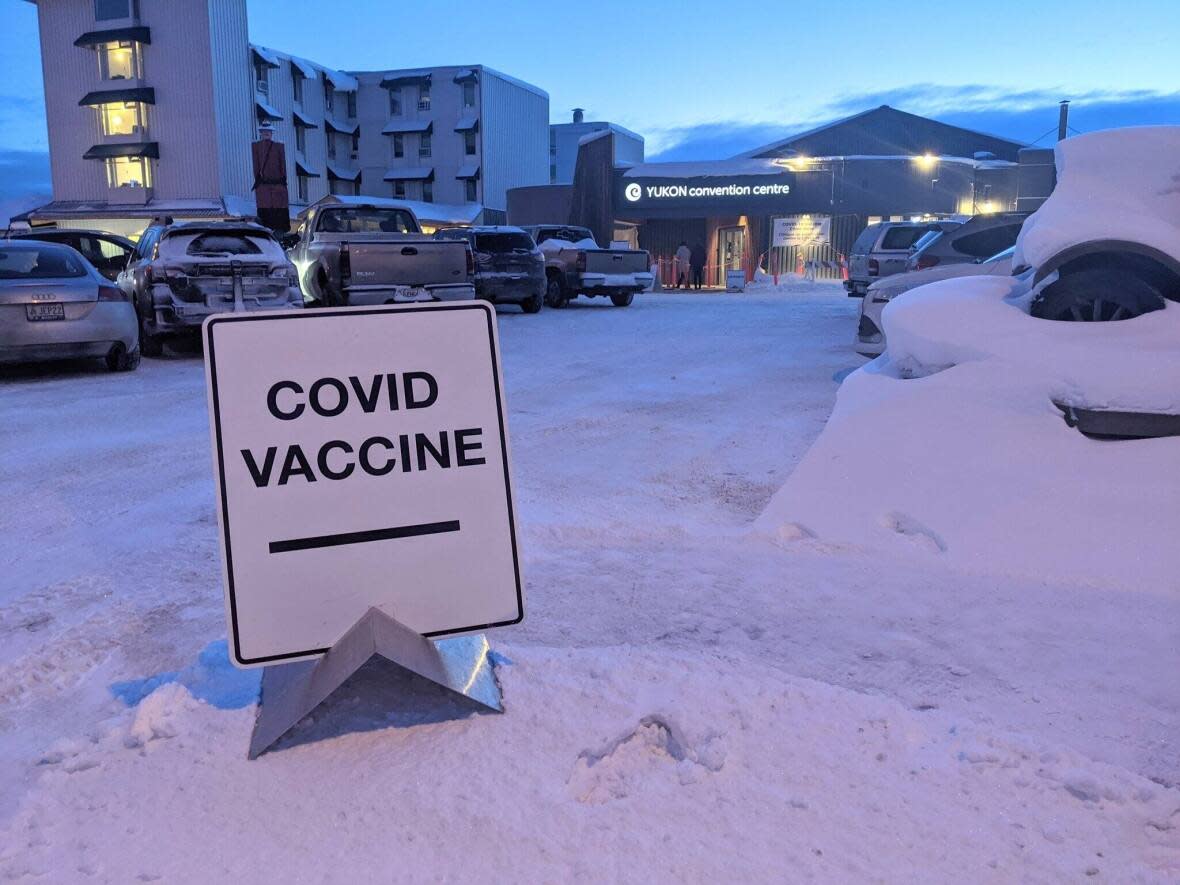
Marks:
<point>689,697</point>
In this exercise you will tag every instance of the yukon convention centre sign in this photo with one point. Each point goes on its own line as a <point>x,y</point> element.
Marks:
<point>706,194</point>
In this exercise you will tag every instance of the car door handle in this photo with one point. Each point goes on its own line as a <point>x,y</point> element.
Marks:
<point>409,250</point>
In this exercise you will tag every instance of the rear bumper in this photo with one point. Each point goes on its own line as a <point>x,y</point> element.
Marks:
<point>509,287</point>
<point>93,334</point>
<point>356,296</point>
<point>173,314</point>
<point>607,283</point>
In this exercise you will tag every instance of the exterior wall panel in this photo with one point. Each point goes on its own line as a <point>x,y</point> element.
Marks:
<point>514,127</point>
<point>233,100</point>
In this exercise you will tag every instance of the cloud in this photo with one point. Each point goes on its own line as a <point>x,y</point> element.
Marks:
<point>24,181</point>
<point>1025,116</point>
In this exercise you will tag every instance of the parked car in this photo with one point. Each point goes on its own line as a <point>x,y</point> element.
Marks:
<point>1118,263</point>
<point>882,249</point>
<point>975,240</point>
<point>108,253</point>
<point>575,265</point>
<point>369,250</point>
<point>181,273</point>
<point>870,332</point>
<point>54,304</point>
<point>509,267</point>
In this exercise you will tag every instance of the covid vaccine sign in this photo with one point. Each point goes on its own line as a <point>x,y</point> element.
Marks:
<point>361,459</point>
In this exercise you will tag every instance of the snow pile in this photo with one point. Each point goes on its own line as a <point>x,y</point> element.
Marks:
<point>611,764</point>
<point>555,245</point>
<point>1121,184</point>
<point>949,445</point>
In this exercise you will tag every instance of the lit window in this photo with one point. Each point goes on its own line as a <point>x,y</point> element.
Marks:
<point>424,145</point>
<point>469,191</point>
<point>128,172</point>
<point>118,61</point>
<point>123,118</point>
<point>469,93</point>
<point>428,191</point>
<point>469,142</point>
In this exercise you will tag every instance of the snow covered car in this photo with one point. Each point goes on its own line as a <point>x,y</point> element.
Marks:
<point>184,272</point>
<point>54,304</point>
<point>575,265</point>
<point>976,240</point>
<point>1106,243</point>
<point>883,248</point>
<point>870,334</point>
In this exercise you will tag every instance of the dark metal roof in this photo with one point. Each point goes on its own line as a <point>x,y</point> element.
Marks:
<point>400,127</point>
<point>145,94</point>
<point>135,149</point>
<point>336,126</point>
<point>300,169</point>
<point>468,121</point>
<point>410,173</point>
<point>886,131</point>
<point>137,34</point>
<point>468,74</point>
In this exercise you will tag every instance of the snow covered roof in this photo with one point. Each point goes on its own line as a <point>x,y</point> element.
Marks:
<point>229,207</point>
<point>340,81</point>
<point>309,69</point>
<point>303,120</point>
<point>594,136</point>
<point>265,111</point>
<point>266,56</point>
<point>336,126</point>
<point>409,173</point>
<point>342,173</point>
<point>705,169</point>
<point>306,68</point>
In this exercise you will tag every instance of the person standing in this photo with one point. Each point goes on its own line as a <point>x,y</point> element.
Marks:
<point>696,262</point>
<point>683,256</point>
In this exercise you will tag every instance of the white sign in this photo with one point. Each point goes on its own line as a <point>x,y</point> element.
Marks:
<point>361,459</point>
<point>735,280</point>
<point>801,230</point>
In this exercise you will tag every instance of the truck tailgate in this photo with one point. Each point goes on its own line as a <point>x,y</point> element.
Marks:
<point>406,263</point>
<point>616,261</point>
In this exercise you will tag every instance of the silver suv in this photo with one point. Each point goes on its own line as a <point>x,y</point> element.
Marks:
<point>973,242</point>
<point>882,250</point>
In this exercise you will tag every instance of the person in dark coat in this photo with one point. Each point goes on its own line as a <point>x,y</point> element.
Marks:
<point>696,261</point>
<point>270,181</point>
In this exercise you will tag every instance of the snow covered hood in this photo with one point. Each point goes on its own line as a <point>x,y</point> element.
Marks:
<point>1120,184</point>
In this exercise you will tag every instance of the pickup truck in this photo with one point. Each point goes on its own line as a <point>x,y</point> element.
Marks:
<point>575,265</point>
<point>364,250</point>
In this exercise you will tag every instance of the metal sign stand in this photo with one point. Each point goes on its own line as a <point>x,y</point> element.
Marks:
<point>291,691</point>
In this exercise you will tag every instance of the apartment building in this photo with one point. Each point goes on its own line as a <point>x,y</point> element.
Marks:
<point>564,139</point>
<point>152,108</point>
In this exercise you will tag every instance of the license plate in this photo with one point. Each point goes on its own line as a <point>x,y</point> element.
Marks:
<point>39,312</point>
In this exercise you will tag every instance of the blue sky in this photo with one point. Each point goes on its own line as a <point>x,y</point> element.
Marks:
<point>708,80</point>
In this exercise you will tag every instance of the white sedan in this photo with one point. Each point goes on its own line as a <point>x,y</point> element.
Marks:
<point>870,334</point>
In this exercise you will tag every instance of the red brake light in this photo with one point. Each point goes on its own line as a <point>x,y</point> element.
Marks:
<point>874,267</point>
<point>111,293</point>
<point>925,261</point>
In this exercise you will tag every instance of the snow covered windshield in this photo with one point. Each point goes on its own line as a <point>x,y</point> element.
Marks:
<point>217,244</point>
<point>366,220</point>
<point>41,262</point>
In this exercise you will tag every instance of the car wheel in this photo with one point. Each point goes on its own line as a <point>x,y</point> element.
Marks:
<point>623,300</point>
<point>533,303</point>
<point>555,294</point>
<point>119,359</point>
<point>150,344</point>
<point>1094,296</point>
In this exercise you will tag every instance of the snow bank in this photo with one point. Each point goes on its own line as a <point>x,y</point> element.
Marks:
<point>611,764</point>
<point>1122,184</point>
<point>949,444</point>
<point>555,245</point>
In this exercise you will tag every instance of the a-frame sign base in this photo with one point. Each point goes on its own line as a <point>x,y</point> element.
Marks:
<point>291,691</point>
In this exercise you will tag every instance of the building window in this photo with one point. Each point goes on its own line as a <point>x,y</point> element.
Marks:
<point>331,146</point>
<point>395,103</point>
<point>468,93</point>
<point>128,172</point>
<point>552,173</point>
<point>424,145</point>
<point>261,78</point>
<point>122,118</point>
<point>399,189</point>
<point>399,146</point>
<point>105,10</point>
<point>301,187</point>
<point>428,191</point>
<point>424,96</point>
<point>351,98</point>
<point>469,142</point>
<point>329,97</point>
<point>470,192</point>
<point>356,145</point>
<point>301,140</point>
<point>297,85</point>
<point>118,61</point>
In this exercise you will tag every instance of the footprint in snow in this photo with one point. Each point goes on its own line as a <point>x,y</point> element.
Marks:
<point>913,531</point>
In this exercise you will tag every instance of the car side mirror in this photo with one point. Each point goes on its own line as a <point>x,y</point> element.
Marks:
<point>289,241</point>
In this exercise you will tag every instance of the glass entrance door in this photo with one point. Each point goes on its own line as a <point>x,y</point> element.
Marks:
<point>731,247</point>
